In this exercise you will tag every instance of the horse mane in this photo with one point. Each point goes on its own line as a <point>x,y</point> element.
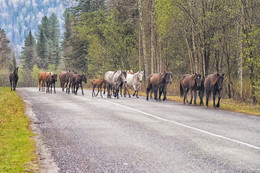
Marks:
<point>215,78</point>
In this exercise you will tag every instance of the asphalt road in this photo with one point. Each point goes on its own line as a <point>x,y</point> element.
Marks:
<point>85,134</point>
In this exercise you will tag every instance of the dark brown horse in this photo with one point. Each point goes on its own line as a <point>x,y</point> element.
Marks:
<point>68,78</point>
<point>158,81</point>
<point>76,81</point>
<point>13,77</point>
<point>190,83</point>
<point>214,83</point>
<point>97,83</point>
<point>50,81</point>
<point>63,79</point>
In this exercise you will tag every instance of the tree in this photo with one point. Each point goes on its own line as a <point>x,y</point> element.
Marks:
<point>28,54</point>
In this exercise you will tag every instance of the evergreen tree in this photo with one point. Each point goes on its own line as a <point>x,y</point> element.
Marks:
<point>29,56</point>
<point>42,49</point>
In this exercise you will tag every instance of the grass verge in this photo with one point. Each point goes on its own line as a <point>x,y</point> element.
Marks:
<point>17,146</point>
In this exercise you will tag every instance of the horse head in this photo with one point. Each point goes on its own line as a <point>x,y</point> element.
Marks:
<point>168,77</point>
<point>220,79</point>
<point>123,76</point>
<point>140,75</point>
<point>54,77</point>
<point>84,78</point>
<point>16,70</point>
<point>197,79</point>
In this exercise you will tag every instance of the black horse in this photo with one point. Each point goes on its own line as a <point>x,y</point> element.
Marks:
<point>14,78</point>
<point>214,83</point>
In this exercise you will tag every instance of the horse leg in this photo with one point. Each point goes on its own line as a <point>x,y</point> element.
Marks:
<point>164,93</point>
<point>51,87</point>
<point>207,98</point>
<point>195,96</point>
<point>82,89</point>
<point>201,96</point>
<point>191,96</point>
<point>11,85</point>
<point>148,91</point>
<point>54,87</point>
<point>93,90</point>
<point>160,93</point>
<point>155,94</point>
<point>219,97</point>
<point>14,85</point>
<point>214,97</point>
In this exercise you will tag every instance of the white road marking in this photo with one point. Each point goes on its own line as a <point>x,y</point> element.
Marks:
<point>186,126</point>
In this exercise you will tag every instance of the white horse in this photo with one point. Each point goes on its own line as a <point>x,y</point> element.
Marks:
<point>134,80</point>
<point>114,80</point>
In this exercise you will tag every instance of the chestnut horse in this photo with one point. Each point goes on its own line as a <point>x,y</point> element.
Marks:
<point>214,83</point>
<point>50,81</point>
<point>158,81</point>
<point>63,79</point>
<point>97,83</point>
<point>42,80</point>
<point>13,77</point>
<point>190,83</point>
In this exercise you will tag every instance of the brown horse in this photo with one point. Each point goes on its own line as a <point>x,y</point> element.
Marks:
<point>42,80</point>
<point>50,81</point>
<point>97,83</point>
<point>13,77</point>
<point>192,83</point>
<point>214,83</point>
<point>158,81</point>
<point>68,78</point>
<point>76,81</point>
<point>63,79</point>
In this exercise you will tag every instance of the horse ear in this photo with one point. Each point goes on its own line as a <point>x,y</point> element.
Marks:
<point>218,74</point>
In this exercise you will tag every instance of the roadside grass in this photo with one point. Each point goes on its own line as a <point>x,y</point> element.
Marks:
<point>17,146</point>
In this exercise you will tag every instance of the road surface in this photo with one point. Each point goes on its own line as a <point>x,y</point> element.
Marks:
<point>85,134</point>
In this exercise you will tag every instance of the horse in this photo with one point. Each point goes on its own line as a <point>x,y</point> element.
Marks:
<point>13,77</point>
<point>158,81</point>
<point>190,83</point>
<point>42,80</point>
<point>63,79</point>
<point>213,83</point>
<point>134,80</point>
<point>77,80</point>
<point>114,79</point>
<point>68,79</point>
<point>97,83</point>
<point>50,80</point>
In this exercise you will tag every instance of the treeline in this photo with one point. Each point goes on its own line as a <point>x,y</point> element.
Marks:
<point>174,35</point>
<point>191,36</point>
<point>7,58</point>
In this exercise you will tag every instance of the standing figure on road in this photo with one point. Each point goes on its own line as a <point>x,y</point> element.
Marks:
<point>114,80</point>
<point>190,83</point>
<point>213,83</point>
<point>13,77</point>
<point>134,80</point>
<point>97,83</point>
<point>159,81</point>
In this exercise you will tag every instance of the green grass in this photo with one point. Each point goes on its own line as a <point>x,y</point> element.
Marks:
<point>225,104</point>
<point>17,146</point>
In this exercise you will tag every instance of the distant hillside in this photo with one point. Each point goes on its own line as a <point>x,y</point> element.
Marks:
<point>18,17</point>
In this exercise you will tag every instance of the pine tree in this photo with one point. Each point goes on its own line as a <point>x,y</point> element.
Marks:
<point>29,56</point>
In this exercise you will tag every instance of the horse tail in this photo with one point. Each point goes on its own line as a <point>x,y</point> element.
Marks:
<point>181,89</point>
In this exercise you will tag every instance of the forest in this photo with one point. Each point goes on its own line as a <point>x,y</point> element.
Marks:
<point>181,36</point>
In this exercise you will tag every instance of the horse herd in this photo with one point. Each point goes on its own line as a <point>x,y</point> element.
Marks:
<point>115,81</point>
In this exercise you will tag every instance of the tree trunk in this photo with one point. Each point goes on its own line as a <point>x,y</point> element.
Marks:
<point>152,37</point>
<point>146,71</point>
